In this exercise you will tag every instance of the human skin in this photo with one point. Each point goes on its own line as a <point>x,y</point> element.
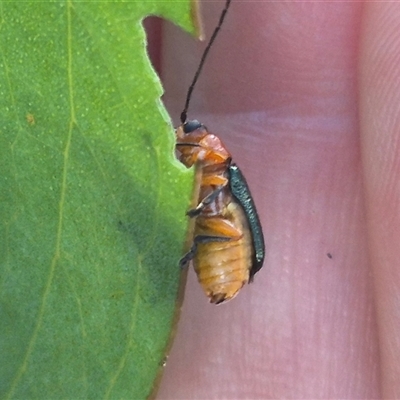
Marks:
<point>306,95</point>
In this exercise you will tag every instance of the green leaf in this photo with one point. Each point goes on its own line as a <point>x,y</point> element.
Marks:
<point>92,201</point>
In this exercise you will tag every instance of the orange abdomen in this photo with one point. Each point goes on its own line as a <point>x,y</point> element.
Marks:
<point>223,267</point>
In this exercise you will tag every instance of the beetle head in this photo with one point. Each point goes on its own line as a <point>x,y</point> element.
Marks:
<point>190,126</point>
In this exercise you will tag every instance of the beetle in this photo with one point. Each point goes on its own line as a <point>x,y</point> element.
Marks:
<point>228,243</point>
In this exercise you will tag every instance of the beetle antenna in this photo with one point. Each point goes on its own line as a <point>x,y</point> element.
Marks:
<point>203,59</point>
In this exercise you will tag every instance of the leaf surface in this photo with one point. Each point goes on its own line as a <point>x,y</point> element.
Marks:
<point>92,202</point>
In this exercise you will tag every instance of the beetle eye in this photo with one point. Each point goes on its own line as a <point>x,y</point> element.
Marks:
<point>191,126</point>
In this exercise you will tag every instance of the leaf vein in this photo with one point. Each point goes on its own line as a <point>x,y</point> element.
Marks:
<point>57,251</point>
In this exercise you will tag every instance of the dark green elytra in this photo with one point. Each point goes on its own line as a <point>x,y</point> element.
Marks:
<point>241,192</point>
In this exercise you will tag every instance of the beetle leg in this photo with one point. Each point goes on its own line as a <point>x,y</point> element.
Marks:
<point>184,261</point>
<point>204,203</point>
<point>223,231</point>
